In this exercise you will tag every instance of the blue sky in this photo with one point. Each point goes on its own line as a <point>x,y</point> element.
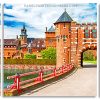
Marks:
<point>36,18</point>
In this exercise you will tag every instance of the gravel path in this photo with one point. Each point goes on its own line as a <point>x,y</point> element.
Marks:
<point>81,83</point>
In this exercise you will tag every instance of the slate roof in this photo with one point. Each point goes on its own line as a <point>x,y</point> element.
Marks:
<point>29,40</point>
<point>51,29</point>
<point>64,18</point>
<point>11,42</point>
<point>37,43</point>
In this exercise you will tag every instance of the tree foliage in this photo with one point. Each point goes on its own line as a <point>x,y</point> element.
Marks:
<point>88,56</point>
<point>49,53</point>
<point>29,56</point>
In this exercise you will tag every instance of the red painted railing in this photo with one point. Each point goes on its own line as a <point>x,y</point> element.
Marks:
<point>40,78</point>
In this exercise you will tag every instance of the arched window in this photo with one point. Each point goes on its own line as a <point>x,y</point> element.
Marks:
<point>64,38</point>
<point>57,38</point>
<point>94,33</point>
<point>86,33</point>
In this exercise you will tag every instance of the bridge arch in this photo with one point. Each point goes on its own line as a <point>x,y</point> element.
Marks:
<point>80,55</point>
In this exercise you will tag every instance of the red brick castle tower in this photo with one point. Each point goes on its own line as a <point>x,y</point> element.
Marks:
<point>72,39</point>
<point>63,42</point>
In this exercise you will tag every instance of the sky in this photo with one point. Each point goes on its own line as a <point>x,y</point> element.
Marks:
<point>37,17</point>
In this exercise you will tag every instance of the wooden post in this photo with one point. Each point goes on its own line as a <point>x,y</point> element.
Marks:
<point>17,80</point>
<point>41,76</point>
<point>54,71</point>
<point>62,69</point>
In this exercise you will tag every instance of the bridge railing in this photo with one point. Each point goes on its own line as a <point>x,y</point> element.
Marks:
<point>53,72</point>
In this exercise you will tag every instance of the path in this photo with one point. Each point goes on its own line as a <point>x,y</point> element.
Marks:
<point>81,83</point>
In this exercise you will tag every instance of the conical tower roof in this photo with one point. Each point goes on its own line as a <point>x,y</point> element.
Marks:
<point>64,18</point>
<point>51,29</point>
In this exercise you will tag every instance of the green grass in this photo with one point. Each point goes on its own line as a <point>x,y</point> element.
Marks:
<point>92,62</point>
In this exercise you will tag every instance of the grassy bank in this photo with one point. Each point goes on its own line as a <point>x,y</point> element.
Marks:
<point>91,62</point>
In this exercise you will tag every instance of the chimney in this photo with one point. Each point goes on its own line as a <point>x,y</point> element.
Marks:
<point>46,29</point>
<point>16,36</point>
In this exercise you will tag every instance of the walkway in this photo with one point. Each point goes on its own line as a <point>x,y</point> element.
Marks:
<point>81,83</point>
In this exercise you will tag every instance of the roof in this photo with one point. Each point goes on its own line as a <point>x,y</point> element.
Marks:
<point>23,31</point>
<point>64,18</point>
<point>11,42</point>
<point>30,39</point>
<point>37,43</point>
<point>51,29</point>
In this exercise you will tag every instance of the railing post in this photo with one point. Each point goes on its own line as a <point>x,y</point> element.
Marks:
<point>62,69</point>
<point>41,76</point>
<point>17,81</point>
<point>54,71</point>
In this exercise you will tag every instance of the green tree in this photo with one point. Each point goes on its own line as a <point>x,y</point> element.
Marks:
<point>29,56</point>
<point>88,56</point>
<point>49,53</point>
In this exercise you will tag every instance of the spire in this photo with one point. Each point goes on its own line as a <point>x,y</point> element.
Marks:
<point>23,30</point>
<point>23,26</point>
<point>64,18</point>
<point>65,9</point>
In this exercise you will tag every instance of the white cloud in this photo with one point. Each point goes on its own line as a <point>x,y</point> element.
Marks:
<point>41,17</point>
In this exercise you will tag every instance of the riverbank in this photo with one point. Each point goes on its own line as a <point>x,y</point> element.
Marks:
<point>10,70</point>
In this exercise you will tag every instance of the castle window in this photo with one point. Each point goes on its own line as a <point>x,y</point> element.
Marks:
<point>86,34</point>
<point>58,39</point>
<point>64,50</point>
<point>8,53</point>
<point>64,25</point>
<point>29,50</point>
<point>94,35</point>
<point>64,38</point>
<point>50,41</point>
<point>57,26</point>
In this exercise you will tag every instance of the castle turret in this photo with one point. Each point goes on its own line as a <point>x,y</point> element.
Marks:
<point>50,37</point>
<point>23,36</point>
<point>62,31</point>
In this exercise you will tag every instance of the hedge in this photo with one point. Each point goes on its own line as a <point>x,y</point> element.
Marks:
<point>30,61</point>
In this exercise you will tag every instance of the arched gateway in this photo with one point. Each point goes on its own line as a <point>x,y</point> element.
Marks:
<point>72,39</point>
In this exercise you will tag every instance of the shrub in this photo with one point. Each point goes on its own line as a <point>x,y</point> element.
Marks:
<point>49,53</point>
<point>29,56</point>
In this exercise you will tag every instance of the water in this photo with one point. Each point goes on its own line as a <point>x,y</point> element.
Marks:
<point>10,72</point>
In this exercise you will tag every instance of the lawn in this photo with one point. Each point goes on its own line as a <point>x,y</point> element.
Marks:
<point>91,62</point>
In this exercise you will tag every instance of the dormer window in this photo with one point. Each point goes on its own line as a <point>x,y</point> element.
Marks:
<point>38,41</point>
<point>43,45</point>
<point>37,45</point>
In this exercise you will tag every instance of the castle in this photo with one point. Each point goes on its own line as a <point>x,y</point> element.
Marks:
<point>69,38</point>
